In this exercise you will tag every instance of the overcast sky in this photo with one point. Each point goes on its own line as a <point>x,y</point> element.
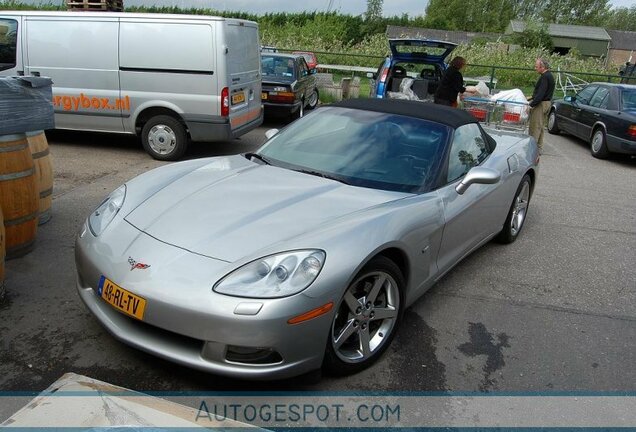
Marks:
<point>354,7</point>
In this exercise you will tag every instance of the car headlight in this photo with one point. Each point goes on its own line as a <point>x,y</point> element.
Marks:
<point>274,276</point>
<point>106,211</point>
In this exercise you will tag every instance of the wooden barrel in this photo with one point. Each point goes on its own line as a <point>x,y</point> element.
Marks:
<point>39,147</point>
<point>1,256</point>
<point>18,195</point>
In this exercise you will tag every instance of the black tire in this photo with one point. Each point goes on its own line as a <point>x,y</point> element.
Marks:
<point>515,219</point>
<point>164,138</point>
<point>553,127</point>
<point>361,316</point>
<point>598,144</point>
<point>312,102</point>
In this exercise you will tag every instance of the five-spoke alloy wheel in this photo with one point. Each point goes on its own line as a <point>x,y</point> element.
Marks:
<point>366,319</point>
<point>518,212</point>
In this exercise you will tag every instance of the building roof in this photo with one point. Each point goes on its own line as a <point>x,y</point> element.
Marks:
<point>622,40</point>
<point>457,37</point>
<point>568,31</point>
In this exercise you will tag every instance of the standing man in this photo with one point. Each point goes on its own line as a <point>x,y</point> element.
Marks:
<point>540,101</point>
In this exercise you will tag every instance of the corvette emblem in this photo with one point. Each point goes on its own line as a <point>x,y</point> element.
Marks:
<point>136,265</point>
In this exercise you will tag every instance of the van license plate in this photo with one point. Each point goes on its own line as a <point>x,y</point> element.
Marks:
<point>263,95</point>
<point>238,98</point>
<point>121,299</point>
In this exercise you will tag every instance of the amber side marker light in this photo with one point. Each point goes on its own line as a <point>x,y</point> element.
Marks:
<point>311,314</point>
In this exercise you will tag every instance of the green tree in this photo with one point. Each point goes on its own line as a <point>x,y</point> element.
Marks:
<point>529,9</point>
<point>622,18</point>
<point>374,9</point>
<point>474,15</point>
<point>577,12</point>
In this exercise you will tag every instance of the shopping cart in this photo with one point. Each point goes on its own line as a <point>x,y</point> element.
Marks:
<point>512,115</point>
<point>481,109</point>
<point>499,114</point>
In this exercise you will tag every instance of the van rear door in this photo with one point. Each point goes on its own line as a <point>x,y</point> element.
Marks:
<point>10,45</point>
<point>243,74</point>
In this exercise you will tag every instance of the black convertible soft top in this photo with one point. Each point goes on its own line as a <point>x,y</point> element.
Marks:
<point>452,117</point>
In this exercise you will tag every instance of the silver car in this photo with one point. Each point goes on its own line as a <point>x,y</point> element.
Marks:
<point>306,253</point>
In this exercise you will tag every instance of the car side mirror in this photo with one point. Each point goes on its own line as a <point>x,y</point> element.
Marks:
<point>569,98</point>
<point>370,75</point>
<point>479,175</point>
<point>270,133</point>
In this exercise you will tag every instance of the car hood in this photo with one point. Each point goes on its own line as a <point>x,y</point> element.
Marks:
<point>421,49</point>
<point>232,207</point>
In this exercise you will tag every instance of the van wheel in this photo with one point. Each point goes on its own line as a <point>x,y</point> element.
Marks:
<point>164,138</point>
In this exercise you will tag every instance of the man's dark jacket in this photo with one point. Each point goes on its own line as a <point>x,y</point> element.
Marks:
<point>543,89</point>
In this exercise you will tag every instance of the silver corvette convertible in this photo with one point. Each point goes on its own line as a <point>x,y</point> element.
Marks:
<point>306,253</point>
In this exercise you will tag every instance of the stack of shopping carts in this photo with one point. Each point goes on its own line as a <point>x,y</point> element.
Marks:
<point>499,114</point>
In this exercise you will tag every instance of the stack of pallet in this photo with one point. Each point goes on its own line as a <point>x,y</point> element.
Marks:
<point>95,5</point>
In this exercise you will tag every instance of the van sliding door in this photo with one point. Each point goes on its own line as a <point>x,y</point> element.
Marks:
<point>80,55</point>
<point>169,63</point>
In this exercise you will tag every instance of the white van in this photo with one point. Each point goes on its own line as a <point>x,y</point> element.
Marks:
<point>167,78</point>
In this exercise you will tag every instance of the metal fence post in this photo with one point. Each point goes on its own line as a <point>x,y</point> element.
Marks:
<point>492,78</point>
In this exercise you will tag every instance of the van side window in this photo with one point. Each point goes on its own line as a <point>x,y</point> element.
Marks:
<point>8,43</point>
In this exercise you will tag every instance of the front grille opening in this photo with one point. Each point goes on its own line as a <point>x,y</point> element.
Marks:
<point>249,355</point>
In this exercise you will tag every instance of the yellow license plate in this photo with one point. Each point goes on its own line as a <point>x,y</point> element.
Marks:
<point>263,95</point>
<point>238,98</point>
<point>121,299</point>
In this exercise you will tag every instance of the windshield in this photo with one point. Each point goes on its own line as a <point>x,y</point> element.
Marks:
<point>628,100</point>
<point>277,67</point>
<point>362,148</point>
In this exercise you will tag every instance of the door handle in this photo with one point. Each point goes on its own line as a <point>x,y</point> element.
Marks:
<point>35,73</point>
<point>597,115</point>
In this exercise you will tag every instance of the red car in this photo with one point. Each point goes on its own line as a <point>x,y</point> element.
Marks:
<point>309,57</point>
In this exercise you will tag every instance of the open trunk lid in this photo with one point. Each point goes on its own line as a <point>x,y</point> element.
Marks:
<point>420,49</point>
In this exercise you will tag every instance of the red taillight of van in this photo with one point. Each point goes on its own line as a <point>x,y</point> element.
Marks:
<point>225,102</point>
<point>631,131</point>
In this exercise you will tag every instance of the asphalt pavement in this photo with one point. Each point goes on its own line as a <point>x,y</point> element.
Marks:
<point>555,310</point>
